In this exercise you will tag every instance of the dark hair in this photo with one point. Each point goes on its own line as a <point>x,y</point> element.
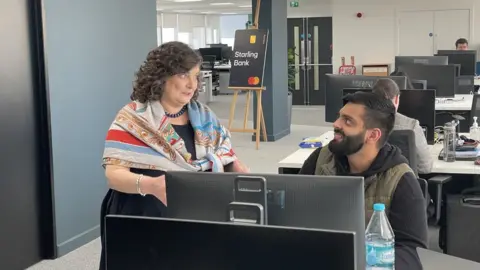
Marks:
<point>399,72</point>
<point>379,112</point>
<point>387,88</point>
<point>171,58</point>
<point>461,41</point>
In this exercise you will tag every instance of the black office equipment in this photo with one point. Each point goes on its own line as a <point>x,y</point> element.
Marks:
<point>216,51</point>
<point>466,59</point>
<point>405,140</point>
<point>415,104</point>
<point>421,60</point>
<point>293,200</point>
<point>475,110</point>
<point>155,243</point>
<point>217,45</point>
<point>227,53</point>
<point>442,78</point>
<point>465,85</point>
<point>462,223</point>
<point>336,83</point>
<point>419,84</point>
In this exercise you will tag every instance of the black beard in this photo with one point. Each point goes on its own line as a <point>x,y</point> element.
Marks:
<point>349,145</point>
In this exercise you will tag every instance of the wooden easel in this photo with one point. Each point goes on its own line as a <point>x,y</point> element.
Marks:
<point>258,90</point>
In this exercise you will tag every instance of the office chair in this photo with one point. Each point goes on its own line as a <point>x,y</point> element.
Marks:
<point>405,140</point>
<point>475,110</point>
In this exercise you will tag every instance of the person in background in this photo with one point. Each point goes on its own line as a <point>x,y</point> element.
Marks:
<point>461,44</point>
<point>389,89</point>
<point>163,128</point>
<point>360,148</point>
<point>402,73</point>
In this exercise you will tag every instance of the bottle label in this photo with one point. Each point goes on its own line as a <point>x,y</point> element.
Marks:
<point>380,256</point>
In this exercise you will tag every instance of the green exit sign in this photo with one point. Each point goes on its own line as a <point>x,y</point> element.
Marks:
<point>294,4</point>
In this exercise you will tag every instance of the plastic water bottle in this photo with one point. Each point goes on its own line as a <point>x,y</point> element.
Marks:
<point>380,241</point>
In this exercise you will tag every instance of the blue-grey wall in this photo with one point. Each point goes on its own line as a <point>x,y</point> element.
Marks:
<point>93,48</point>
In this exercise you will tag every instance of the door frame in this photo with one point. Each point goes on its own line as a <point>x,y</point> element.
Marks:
<point>322,63</point>
<point>46,205</point>
<point>301,72</point>
<point>398,11</point>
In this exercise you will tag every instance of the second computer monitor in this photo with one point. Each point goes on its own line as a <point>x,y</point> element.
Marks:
<point>442,78</point>
<point>293,200</point>
<point>466,59</point>
<point>423,60</point>
<point>336,83</point>
<point>416,104</point>
<point>157,243</point>
<point>215,51</point>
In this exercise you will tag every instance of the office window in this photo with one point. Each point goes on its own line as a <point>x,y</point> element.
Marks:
<point>159,35</point>
<point>215,36</point>
<point>209,35</point>
<point>184,37</point>
<point>198,37</point>
<point>228,41</point>
<point>168,34</point>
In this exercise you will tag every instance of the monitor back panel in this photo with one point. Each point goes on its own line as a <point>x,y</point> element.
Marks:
<point>148,243</point>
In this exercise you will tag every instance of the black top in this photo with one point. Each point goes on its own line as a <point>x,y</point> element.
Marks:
<point>407,214</point>
<point>119,203</point>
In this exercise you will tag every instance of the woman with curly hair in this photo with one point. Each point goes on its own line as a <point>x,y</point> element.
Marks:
<point>163,128</point>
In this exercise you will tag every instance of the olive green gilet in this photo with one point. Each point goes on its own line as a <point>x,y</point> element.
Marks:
<point>379,187</point>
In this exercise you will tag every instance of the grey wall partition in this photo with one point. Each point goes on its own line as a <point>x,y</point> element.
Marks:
<point>92,48</point>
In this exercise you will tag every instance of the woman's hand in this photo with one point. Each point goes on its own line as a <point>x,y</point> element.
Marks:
<point>155,186</point>
<point>238,166</point>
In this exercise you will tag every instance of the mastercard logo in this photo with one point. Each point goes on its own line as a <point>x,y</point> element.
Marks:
<point>253,80</point>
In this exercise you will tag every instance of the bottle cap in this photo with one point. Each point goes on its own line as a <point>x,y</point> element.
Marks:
<point>379,207</point>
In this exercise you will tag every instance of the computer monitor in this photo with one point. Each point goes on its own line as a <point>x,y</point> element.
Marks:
<point>336,83</point>
<point>423,60</point>
<point>442,78</point>
<point>293,200</point>
<point>465,85</point>
<point>227,53</point>
<point>170,244</point>
<point>416,104</point>
<point>217,45</point>
<point>466,59</point>
<point>419,84</point>
<point>216,51</point>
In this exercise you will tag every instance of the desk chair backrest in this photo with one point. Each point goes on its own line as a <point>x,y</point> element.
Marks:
<point>405,140</point>
<point>475,108</point>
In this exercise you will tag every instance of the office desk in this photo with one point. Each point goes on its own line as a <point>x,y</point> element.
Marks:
<point>223,79</point>
<point>446,108</point>
<point>432,260</point>
<point>293,163</point>
<point>223,67</point>
<point>206,91</point>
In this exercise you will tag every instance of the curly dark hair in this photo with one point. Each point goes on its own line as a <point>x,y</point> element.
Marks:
<point>169,59</point>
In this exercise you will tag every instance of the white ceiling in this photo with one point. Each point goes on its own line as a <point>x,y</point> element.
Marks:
<point>205,6</point>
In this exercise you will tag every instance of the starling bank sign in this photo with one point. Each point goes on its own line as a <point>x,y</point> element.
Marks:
<point>248,61</point>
